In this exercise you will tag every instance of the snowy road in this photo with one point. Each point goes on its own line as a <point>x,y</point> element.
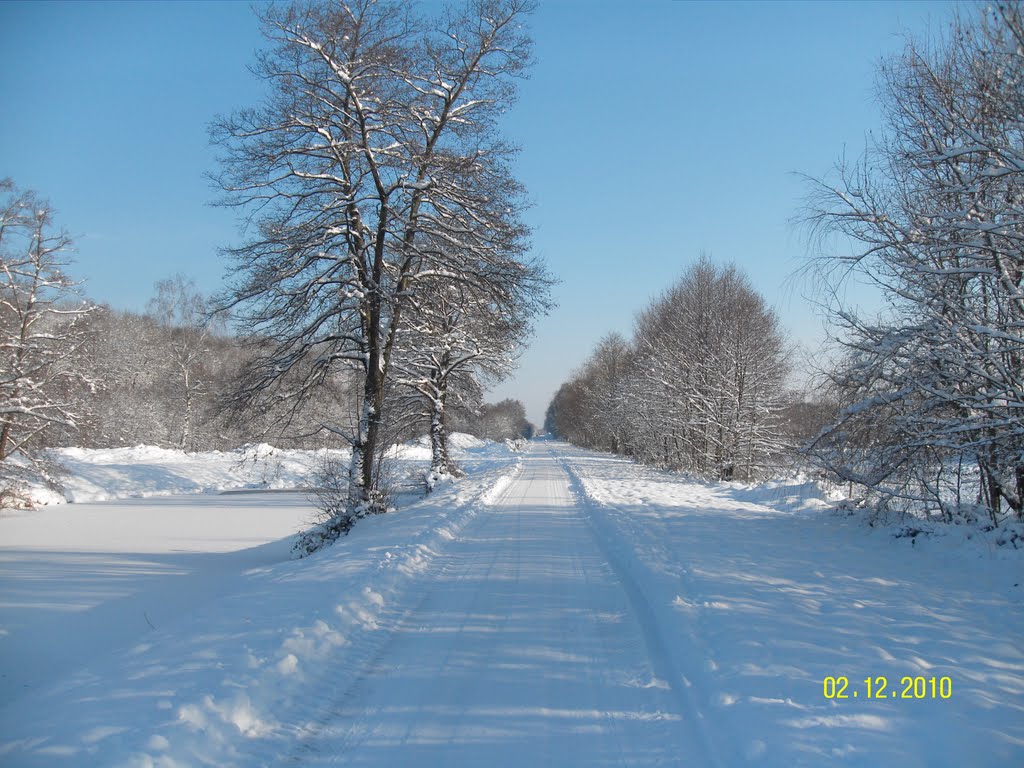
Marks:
<point>526,649</point>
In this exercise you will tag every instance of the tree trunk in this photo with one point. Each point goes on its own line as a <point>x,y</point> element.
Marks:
<point>363,491</point>
<point>440,461</point>
<point>364,495</point>
<point>5,436</point>
<point>356,478</point>
<point>1019,476</point>
<point>186,429</point>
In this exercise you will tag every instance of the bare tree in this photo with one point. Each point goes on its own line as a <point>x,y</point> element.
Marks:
<point>460,337</point>
<point>122,355</point>
<point>183,315</point>
<point>504,420</point>
<point>934,384</point>
<point>604,390</point>
<point>436,355</point>
<point>40,324</point>
<point>372,169</point>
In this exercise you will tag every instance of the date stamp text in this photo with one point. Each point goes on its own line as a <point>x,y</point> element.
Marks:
<point>883,688</point>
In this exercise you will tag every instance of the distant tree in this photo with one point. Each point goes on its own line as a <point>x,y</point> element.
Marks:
<point>40,324</point>
<point>699,388</point>
<point>564,415</point>
<point>806,413</point>
<point>607,388</point>
<point>717,356</point>
<point>183,315</point>
<point>136,400</point>
<point>135,362</point>
<point>504,420</point>
<point>377,145</point>
<point>122,355</point>
<point>551,417</point>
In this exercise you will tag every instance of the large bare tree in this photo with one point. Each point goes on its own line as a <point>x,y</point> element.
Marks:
<point>372,169</point>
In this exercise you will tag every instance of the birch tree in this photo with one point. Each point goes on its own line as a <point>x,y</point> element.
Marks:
<point>372,167</point>
<point>183,315</point>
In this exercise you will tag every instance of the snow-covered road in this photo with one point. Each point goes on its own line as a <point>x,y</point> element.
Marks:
<point>524,648</point>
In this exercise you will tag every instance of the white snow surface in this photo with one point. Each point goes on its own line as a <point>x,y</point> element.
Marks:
<point>555,607</point>
<point>145,471</point>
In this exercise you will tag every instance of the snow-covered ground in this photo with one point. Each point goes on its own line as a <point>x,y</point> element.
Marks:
<point>86,587</point>
<point>555,608</point>
<point>146,471</point>
<point>761,597</point>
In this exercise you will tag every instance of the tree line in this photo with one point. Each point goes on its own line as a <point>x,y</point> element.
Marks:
<point>920,401</point>
<point>931,387</point>
<point>698,388</point>
<point>76,373</point>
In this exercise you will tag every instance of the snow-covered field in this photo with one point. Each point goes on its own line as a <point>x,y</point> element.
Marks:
<point>556,607</point>
<point>145,471</point>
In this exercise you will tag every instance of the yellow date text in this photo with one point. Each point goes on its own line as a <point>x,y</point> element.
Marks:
<point>883,688</point>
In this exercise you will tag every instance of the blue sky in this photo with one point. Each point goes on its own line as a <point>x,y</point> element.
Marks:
<point>651,131</point>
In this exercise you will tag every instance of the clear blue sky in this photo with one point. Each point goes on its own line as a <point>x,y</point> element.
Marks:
<point>651,131</point>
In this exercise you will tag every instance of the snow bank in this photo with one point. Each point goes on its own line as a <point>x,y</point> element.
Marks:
<point>463,441</point>
<point>460,444</point>
<point>147,471</point>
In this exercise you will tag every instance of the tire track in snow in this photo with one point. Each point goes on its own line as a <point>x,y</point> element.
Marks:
<point>680,684</point>
<point>431,696</point>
